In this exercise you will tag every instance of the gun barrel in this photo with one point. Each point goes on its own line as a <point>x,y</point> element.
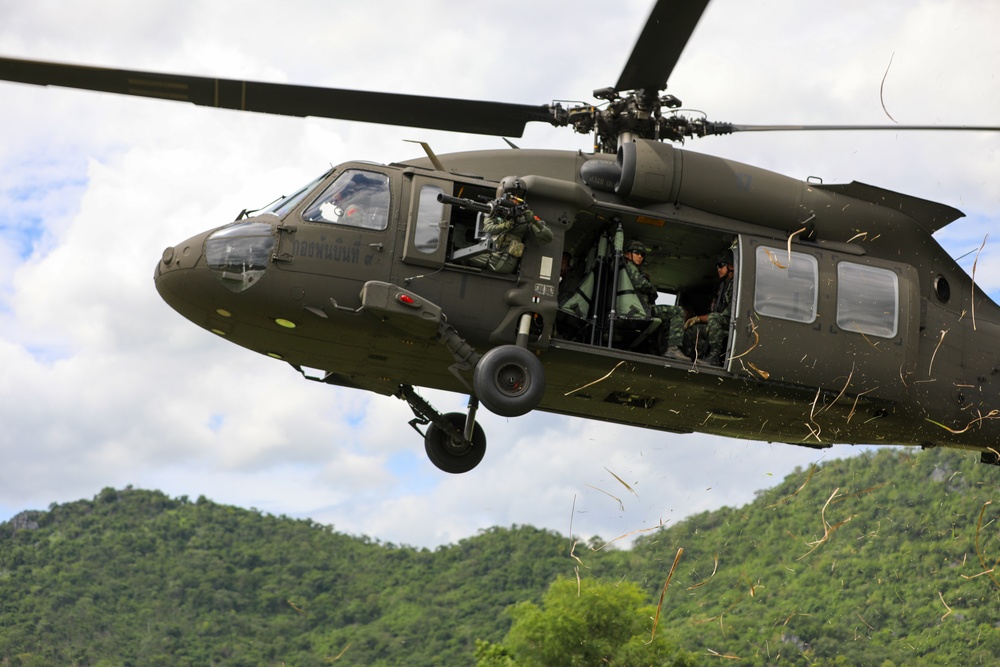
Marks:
<point>465,203</point>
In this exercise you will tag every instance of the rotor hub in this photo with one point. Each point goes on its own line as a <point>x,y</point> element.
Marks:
<point>636,113</point>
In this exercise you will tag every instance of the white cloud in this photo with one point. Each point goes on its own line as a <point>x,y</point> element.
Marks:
<point>103,385</point>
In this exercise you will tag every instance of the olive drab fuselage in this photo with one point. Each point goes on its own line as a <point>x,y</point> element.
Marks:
<point>849,322</point>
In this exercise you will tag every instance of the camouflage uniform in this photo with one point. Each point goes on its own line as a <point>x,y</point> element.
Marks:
<point>672,317</point>
<point>643,289</point>
<point>718,319</point>
<point>508,234</point>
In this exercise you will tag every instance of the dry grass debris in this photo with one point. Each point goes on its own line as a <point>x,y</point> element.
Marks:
<point>828,529</point>
<point>663,592</point>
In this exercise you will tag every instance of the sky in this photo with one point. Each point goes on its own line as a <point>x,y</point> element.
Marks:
<point>102,384</point>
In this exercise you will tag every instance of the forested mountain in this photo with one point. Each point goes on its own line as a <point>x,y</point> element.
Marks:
<point>885,558</point>
<point>881,559</point>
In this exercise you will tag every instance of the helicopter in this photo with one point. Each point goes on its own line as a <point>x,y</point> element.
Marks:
<point>836,336</point>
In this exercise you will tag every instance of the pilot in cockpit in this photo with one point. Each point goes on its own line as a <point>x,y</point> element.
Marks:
<point>357,198</point>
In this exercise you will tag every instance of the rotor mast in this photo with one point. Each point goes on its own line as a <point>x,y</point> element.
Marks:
<point>632,107</point>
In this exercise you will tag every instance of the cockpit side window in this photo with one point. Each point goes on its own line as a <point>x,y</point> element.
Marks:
<point>430,218</point>
<point>356,198</point>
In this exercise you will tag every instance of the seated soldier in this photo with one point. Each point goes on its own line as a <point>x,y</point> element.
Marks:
<point>634,255</point>
<point>672,317</point>
<point>718,317</point>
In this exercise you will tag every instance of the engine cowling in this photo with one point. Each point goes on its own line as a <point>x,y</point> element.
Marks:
<point>652,172</point>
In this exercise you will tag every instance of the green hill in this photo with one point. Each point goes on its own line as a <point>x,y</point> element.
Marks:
<point>880,559</point>
<point>136,578</point>
<point>872,560</point>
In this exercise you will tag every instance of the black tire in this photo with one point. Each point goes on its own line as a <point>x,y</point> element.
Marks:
<point>509,380</point>
<point>450,455</point>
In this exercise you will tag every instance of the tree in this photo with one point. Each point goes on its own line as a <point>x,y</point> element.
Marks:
<point>584,623</point>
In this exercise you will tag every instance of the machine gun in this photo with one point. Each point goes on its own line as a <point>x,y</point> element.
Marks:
<point>507,206</point>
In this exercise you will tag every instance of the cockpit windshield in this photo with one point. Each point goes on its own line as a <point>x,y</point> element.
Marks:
<point>358,198</point>
<point>286,203</point>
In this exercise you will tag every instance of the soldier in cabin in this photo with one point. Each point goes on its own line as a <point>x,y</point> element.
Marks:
<point>672,317</point>
<point>718,318</point>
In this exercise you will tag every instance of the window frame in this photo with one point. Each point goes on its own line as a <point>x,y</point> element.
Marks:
<point>852,300</point>
<point>768,286</point>
<point>429,218</point>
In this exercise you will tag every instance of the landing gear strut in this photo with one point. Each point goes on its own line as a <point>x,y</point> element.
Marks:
<point>510,381</point>
<point>454,442</point>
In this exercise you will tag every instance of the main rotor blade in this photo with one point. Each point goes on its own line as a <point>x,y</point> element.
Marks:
<point>728,128</point>
<point>660,43</point>
<point>435,113</point>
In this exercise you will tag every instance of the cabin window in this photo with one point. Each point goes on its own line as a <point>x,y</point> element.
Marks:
<point>867,300</point>
<point>430,218</point>
<point>356,198</point>
<point>786,284</point>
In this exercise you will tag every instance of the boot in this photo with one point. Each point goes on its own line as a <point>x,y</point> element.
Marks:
<point>713,358</point>
<point>674,352</point>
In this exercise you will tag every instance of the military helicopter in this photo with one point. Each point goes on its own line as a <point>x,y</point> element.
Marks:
<point>849,323</point>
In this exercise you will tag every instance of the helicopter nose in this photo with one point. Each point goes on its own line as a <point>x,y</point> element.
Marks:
<point>204,273</point>
<point>174,258</point>
<point>178,273</point>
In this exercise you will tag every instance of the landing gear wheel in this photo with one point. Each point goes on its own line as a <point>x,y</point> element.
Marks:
<point>451,455</point>
<point>509,380</point>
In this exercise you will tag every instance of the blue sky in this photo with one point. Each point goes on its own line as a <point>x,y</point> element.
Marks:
<point>103,385</point>
<point>39,188</point>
